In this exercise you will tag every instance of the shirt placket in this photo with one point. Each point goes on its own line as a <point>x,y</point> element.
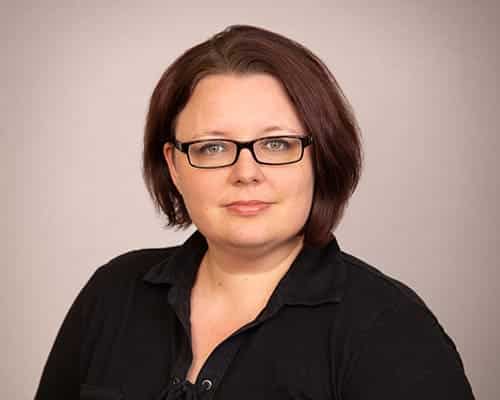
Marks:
<point>215,367</point>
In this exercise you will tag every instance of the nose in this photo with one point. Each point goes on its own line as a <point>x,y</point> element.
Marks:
<point>246,169</point>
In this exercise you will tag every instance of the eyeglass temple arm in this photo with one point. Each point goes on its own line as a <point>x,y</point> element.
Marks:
<point>180,146</point>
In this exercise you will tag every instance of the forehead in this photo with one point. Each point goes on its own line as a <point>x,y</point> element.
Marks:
<point>237,104</point>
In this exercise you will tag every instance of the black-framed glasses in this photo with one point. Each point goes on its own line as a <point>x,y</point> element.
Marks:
<point>269,150</point>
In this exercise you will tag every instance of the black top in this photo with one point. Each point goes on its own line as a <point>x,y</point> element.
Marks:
<point>334,328</point>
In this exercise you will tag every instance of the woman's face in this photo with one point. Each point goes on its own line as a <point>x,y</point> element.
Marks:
<point>242,107</point>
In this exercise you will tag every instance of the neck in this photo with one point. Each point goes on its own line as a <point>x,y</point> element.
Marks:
<point>244,277</point>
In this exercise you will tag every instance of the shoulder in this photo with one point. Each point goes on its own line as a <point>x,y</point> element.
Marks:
<point>113,280</point>
<point>390,335</point>
<point>133,264</point>
<point>371,295</point>
<point>367,283</point>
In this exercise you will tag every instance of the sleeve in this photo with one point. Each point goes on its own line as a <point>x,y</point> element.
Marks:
<point>406,354</point>
<point>61,375</point>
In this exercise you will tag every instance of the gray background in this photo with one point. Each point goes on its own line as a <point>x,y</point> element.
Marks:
<point>422,77</point>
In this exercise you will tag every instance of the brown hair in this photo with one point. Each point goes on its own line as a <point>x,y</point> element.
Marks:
<point>321,105</point>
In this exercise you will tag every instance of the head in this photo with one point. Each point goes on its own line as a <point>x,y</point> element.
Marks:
<point>242,84</point>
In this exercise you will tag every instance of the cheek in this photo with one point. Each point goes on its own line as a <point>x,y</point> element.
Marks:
<point>297,186</point>
<point>304,191</point>
<point>200,189</point>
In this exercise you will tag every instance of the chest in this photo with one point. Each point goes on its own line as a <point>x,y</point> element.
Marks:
<point>210,327</point>
<point>286,355</point>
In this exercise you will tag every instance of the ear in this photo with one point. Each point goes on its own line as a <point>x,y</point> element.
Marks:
<point>168,154</point>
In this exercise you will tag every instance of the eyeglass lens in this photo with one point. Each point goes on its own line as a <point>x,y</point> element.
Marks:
<point>214,153</point>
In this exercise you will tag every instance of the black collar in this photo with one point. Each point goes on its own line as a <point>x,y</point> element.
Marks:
<point>317,275</point>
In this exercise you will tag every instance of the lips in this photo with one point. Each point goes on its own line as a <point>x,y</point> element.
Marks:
<point>247,203</point>
<point>248,208</point>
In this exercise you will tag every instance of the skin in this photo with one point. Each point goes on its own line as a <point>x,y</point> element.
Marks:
<point>247,255</point>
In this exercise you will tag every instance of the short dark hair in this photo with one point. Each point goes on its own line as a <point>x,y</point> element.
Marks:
<point>320,103</point>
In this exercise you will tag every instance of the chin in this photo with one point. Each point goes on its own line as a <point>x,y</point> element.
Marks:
<point>246,237</point>
<point>252,235</point>
<point>248,232</point>
<point>238,234</point>
<point>249,241</point>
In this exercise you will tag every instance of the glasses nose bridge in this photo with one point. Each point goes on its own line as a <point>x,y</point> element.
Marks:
<point>245,145</point>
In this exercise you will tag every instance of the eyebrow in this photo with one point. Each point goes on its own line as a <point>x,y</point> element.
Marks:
<point>268,129</point>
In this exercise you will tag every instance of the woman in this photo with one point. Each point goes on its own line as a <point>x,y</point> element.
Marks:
<point>249,137</point>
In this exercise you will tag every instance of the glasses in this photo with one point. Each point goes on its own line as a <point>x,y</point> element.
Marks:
<point>270,150</point>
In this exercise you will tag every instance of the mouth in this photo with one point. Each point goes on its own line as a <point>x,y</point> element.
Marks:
<point>248,208</point>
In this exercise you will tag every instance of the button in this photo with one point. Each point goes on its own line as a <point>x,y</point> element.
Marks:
<point>206,384</point>
<point>175,380</point>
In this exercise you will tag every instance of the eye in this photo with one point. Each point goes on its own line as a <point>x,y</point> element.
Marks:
<point>212,148</point>
<point>276,144</point>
